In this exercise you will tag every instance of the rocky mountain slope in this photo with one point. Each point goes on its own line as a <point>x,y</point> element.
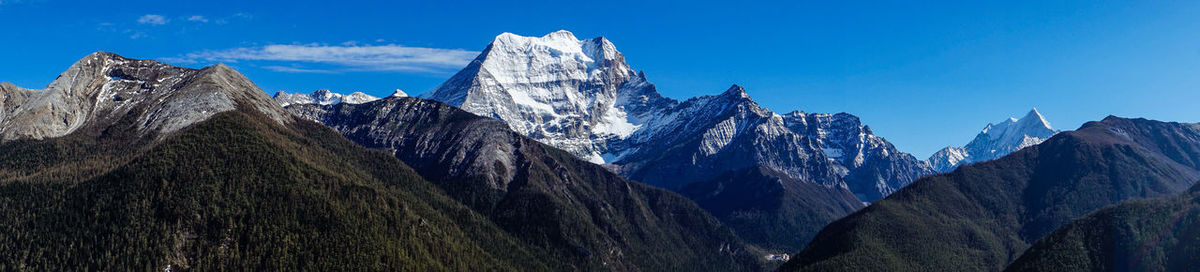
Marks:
<point>167,168</point>
<point>104,87</point>
<point>873,167</point>
<point>580,211</point>
<point>995,141</point>
<point>740,162</point>
<point>982,216</point>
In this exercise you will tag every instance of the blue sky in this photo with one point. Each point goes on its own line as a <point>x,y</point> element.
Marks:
<point>922,76</point>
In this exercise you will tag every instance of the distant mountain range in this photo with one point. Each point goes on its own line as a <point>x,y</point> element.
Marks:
<point>327,97</point>
<point>983,216</point>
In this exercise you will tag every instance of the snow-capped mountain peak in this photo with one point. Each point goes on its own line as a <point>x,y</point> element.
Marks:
<point>1018,133</point>
<point>1035,115</point>
<point>996,140</point>
<point>570,93</point>
<point>323,97</point>
<point>399,93</point>
<point>520,59</point>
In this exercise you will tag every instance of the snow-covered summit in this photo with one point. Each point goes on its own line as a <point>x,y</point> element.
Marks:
<point>570,93</point>
<point>583,59</point>
<point>995,141</point>
<point>324,97</point>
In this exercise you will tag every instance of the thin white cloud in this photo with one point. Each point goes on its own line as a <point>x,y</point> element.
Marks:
<point>345,58</point>
<point>197,18</point>
<point>152,19</point>
<point>289,69</point>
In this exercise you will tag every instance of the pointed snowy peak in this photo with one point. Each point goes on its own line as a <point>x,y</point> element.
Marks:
<point>1035,118</point>
<point>398,93</point>
<point>1032,124</point>
<point>999,139</point>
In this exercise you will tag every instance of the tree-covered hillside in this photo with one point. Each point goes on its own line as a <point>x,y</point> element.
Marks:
<point>236,192</point>
<point>1139,235</point>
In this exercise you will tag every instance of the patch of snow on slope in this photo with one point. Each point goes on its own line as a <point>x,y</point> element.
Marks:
<point>615,122</point>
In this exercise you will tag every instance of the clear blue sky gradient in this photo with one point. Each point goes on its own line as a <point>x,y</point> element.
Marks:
<point>922,76</point>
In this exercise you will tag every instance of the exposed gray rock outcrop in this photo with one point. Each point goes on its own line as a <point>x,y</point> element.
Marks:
<point>102,88</point>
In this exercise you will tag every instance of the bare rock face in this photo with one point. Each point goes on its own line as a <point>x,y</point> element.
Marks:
<point>871,167</point>
<point>102,88</point>
<point>707,136</point>
<point>11,97</point>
